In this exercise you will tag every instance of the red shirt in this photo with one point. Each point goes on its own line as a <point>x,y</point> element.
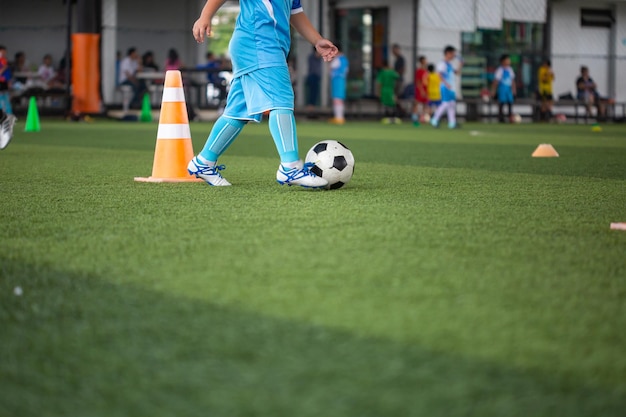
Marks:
<point>421,82</point>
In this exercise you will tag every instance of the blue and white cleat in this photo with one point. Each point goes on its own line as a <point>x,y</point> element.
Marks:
<point>303,177</point>
<point>210,174</point>
<point>6,130</point>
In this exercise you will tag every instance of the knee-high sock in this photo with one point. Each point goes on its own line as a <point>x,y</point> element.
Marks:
<point>5,103</point>
<point>440,110</point>
<point>224,132</point>
<point>339,109</point>
<point>283,129</point>
<point>452,113</point>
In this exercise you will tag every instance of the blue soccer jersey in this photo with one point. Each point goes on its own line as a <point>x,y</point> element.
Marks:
<point>448,74</point>
<point>505,77</point>
<point>262,36</point>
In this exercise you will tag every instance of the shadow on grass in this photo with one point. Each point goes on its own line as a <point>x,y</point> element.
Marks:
<point>77,345</point>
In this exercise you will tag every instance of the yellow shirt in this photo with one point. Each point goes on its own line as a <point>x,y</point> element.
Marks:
<point>546,76</point>
<point>434,87</point>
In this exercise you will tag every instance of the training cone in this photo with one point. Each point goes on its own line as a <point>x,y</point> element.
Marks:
<point>32,117</point>
<point>545,150</point>
<point>174,149</point>
<point>146,109</point>
<point>596,128</point>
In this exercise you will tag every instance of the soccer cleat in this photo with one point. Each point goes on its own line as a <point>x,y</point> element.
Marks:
<point>303,177</point>
<point>6,130</point>
<point>210,174</point>
<point>434,123</point>
<point>336,121</point>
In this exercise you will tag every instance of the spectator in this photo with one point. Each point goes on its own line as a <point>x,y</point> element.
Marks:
<point>147,62</point>
<point>128,75</point>
<point>587,92</point>
<point>421,91</point>
<point>213,66</point>
<point>19,65</point>
<point>399,66</point>
<point>339,68</point>
<point>546,77</point>
<point>313,79</point>
<point>504,87</point>
<point>46,71</point>
<point>173,61</point>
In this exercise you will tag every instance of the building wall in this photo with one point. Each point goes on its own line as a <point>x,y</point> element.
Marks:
<point>24,28</point>
<point>620,52</point>
<point>574,46</point>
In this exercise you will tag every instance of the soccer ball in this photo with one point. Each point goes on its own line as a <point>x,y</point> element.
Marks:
<point>425,118</point>
<point>516,118</point>
<point>560,118</point>
<point>333,162</point>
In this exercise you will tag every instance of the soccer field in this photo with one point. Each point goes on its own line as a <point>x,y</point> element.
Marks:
<point>454,276</point>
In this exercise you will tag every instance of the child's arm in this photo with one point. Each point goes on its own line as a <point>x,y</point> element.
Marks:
<point>202,27</point>
<point>324,47</point>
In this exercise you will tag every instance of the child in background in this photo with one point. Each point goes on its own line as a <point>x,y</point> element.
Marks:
<point>546,78</point>
<point>434,89</point>
<point>420,104</point>
<point>339,68</point>
<point>259,48</point>
<point>386,82</point>
<point>504,87</point>
<point>7,120</point>
<point>447,74</point>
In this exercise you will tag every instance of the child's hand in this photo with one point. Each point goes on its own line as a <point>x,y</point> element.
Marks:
<point>326,49</point>
<point>200,29</point>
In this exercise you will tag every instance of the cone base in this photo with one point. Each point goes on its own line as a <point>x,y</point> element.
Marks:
<point>169,180</point>
<point>545,150</point>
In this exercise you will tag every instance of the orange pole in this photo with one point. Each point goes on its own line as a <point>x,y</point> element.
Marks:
<point>86,73</point>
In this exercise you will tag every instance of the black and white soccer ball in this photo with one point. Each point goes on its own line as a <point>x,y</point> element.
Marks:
<point>333,162</point>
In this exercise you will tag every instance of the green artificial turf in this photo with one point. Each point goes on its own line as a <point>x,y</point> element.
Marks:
<point>454,276</point>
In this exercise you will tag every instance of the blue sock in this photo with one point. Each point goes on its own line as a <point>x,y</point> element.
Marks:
<point>283,129</point>
<point>224,132</point>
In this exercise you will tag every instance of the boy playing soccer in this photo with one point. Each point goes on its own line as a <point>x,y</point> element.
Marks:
<point>259,48</point>
<point>386,82</point>
<point>447,74</point>
<point>504,87</point>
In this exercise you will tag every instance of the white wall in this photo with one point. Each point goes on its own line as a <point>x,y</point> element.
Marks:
<point>574,46</point>
<point>620,53</point>
<point>35,33</point>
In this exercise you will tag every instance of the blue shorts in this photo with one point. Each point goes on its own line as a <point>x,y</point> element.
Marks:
<point>258,91</point>
<point>447,95</point>
<point>505,95</point>
<point>434,103</point>
<point>338,87</point>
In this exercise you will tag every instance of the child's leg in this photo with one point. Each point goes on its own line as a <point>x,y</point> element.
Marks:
<point>440,110</point>
<point>5,102</point>
<point>501,111</point>
<point>283,129</point>
<point>338,109</point>
<point>224,132</point>
<point>452,114</point>
<point>510,106</point>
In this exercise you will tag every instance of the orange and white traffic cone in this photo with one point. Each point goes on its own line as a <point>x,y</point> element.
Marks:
<point>174,149</point>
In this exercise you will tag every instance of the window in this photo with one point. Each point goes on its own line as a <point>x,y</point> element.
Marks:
<point>596,18</point>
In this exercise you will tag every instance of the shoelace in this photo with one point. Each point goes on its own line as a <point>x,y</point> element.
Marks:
<point>294,173</point>
<point>211,170</point>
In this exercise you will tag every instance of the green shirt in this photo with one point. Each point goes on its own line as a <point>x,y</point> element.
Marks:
<point>387,78</point>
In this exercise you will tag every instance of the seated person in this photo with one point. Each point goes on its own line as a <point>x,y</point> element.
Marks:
<point>586,91</point>
<point>46,71</point>
<point>128,75</point>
